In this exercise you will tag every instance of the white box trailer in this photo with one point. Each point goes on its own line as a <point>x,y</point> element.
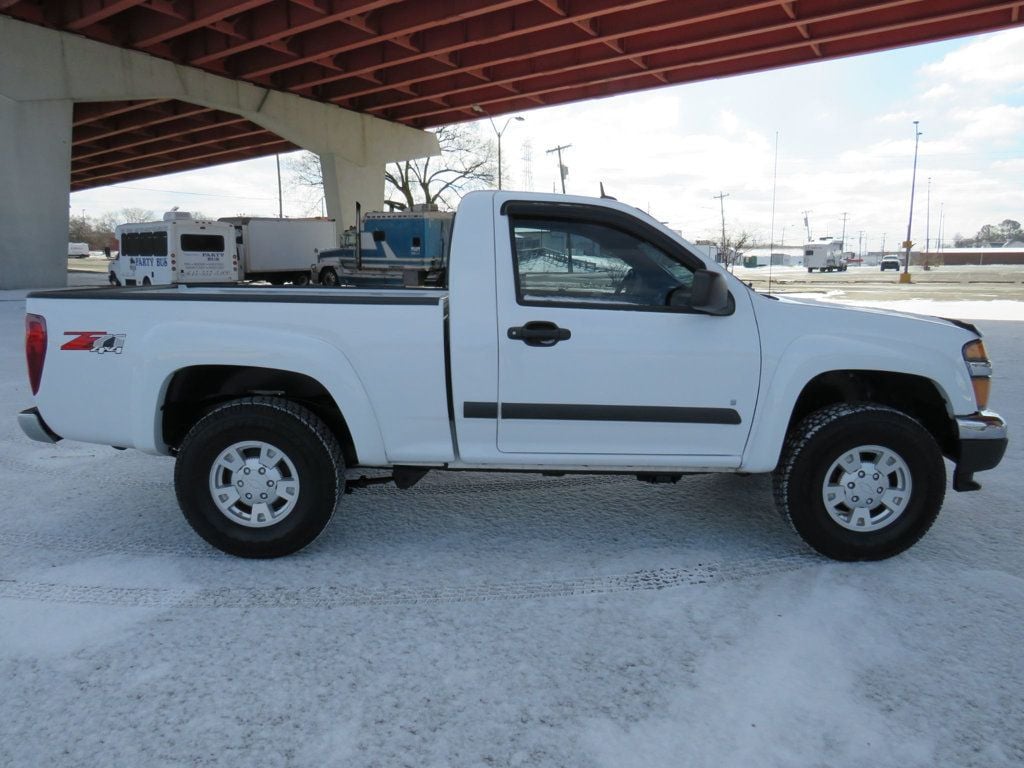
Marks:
<point>280,250</point>
<point>178,249</point>
<point>825,255</point>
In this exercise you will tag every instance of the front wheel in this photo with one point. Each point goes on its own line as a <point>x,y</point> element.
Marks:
<point>329,277</point>
<point>860,481</point>
<point>259,477</point>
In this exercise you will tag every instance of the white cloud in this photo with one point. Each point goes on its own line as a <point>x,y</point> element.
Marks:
<point>940,92</point>
<point>998,121</point>
<point>993,58</point>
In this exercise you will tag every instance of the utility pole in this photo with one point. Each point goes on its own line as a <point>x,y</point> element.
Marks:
<point>928,219</point>
<point>910,219</point>
<point>807,224</point>
<point>280,199</point>
<point>942,211</point>
<point>883,244</point>
<point>721,201</point>
<point>860,244</point>
<point>843,239</point>
<point>562,170</point>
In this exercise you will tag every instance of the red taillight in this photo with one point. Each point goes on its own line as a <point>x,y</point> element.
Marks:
<point>35,348</point>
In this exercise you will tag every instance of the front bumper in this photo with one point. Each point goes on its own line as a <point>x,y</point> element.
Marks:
<point>32,424</point>
<point>982,443</point>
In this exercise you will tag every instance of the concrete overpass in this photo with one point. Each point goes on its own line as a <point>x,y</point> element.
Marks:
<point>94,92</point>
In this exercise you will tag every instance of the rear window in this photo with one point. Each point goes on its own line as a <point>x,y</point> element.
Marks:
<point>144,244</point>
<point>202,243</point>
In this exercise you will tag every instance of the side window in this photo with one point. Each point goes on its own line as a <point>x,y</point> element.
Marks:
<point>202,243</point>
<point>585,262</point>
<point>144,244</point>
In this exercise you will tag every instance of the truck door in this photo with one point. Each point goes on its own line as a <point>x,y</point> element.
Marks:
<point>593,360</point>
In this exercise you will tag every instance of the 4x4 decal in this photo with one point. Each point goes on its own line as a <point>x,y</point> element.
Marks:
<point>94,341</point>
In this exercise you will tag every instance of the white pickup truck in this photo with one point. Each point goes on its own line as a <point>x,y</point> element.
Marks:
<point>573,335</point>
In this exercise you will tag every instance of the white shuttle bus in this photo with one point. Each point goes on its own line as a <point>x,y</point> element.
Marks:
<point>178,249</point>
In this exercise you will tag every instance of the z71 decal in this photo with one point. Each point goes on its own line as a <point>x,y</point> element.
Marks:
<point>94,341</point>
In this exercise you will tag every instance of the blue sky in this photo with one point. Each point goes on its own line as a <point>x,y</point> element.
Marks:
<point>846,140</point>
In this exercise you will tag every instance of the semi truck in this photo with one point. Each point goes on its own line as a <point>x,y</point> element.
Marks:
<point>568,335</point>
<point>410,246</point>
<point>280,250</point>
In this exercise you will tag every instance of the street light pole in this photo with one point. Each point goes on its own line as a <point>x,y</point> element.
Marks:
<point>499,134</point>
<point>910,219</point>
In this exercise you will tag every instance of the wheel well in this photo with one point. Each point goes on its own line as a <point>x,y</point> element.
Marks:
<point>915,396</point>
<point>193,391</point>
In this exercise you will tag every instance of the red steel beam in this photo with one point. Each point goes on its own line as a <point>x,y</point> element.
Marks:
<point>511,27</point>
<point>94,11</point>
<point>146,119</point>
<point>278,143</point>
<point>402,21</point>
<point>710,67</point>
<point>223,136</point>
<point>633,44</point>
<point>153,30</point>
<point>277,22</point>
<point>143,139</point>
<point>91,112</point>
<point>537,50</point>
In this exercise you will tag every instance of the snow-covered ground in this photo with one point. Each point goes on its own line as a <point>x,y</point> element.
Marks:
<point>499,621</point>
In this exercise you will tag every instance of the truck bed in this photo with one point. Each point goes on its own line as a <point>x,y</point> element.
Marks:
<point>368,344</point>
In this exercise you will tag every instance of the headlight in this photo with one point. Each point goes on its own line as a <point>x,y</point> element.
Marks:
<point>979,368</point>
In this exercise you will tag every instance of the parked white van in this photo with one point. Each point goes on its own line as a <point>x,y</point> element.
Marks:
<point>178,249</point>
<point>78,250</point>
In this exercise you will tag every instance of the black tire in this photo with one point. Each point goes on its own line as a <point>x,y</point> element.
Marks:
<point>328,277</point>
<point>146,281</point>
<point>300,280</point>
<point>819,441</point>
<point>305,442</point>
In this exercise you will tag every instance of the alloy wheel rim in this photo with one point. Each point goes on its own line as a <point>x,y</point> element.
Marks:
<point>254,483</point>
<point>867,488</point>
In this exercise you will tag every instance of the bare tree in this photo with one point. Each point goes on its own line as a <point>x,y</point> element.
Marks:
<point>466,163</point>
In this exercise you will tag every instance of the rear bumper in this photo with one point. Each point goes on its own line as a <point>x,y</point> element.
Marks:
<point>983,440</point>
<point>32,424</point>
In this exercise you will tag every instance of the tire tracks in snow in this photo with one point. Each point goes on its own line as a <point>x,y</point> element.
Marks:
<point>327,597</point>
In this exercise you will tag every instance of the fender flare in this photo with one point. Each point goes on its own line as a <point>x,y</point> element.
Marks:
<point>811,356</point>
<point>165,353</point>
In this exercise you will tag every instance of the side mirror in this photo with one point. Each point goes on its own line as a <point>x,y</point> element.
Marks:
<point>710,294</point>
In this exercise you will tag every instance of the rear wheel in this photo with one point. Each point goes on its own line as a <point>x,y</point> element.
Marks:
<point>259,477</point>
<point>860,482</point>
<point>328,277</point>
<point>302,279</point>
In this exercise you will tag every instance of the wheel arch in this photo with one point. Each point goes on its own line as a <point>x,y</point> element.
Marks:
<point>917,396</point>
<point>225,360</point>
<point>194,390</point>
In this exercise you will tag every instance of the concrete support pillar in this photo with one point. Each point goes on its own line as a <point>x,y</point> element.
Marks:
<point>35,165</point>
<point>346,184</point>
<point>45,72</point>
